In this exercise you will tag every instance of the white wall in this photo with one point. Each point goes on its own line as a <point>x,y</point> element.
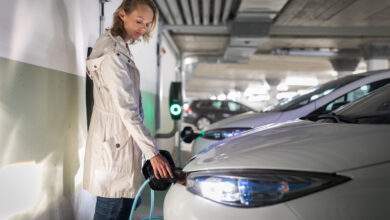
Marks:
<point>42,106</point>
<point>42,132</point>
<point>168,70</point>
<point>49,33</point>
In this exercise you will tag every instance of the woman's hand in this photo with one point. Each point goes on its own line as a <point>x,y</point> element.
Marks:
<point>161,167</point>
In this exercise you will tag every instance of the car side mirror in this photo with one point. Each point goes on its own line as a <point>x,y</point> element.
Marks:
<point>188,134</point>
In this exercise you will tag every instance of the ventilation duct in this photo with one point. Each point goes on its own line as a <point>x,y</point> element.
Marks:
<point>247,33</point>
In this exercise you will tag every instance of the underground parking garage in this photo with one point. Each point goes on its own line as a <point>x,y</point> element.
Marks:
<point>259,109</point>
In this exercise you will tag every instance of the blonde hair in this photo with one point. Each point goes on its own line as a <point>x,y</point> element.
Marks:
<point>129,6</point>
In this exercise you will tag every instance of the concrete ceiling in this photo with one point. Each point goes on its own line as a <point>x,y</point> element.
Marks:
<point>335,13</point>
<point>308,24</point>
<point>216,78</point>
<point>203,44</point>
<point>206,29</point>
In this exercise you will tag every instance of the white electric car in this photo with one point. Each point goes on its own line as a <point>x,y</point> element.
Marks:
<point>335,168</point>
<point>321,100</point>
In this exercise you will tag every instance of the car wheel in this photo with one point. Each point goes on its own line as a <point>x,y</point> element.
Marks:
<point>202,123</point>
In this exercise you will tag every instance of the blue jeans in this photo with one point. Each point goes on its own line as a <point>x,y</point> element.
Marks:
<point>113,208</point>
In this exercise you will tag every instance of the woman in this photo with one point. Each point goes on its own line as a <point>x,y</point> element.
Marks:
<point>117,136</point>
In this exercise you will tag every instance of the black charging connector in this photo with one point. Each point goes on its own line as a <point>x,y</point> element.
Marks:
<point>163,184</point>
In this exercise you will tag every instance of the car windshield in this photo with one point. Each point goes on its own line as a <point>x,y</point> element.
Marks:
<point>373,109</point>
<point>315,93</point>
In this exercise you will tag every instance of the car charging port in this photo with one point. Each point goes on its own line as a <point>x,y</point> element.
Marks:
<point>163,184</point>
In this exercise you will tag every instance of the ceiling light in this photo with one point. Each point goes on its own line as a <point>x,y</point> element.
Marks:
<point>234,95</point>
<point>258,98</point>
<point>221,97</point>
<point>282,87</point>
<point>256,90</point>
<point>301,81</point>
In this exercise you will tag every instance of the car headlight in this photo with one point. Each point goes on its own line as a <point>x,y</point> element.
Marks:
<point>222,133</point>
<point>256,188</point>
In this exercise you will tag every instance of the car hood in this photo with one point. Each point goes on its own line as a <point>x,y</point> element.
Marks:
<point>248,119</point>
<point>302,145</point>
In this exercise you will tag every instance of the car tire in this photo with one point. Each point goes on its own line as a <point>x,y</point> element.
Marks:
<point>202,123</point>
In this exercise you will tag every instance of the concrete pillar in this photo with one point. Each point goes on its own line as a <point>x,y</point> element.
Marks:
<point>272,92</point>
<point>377,56</point>
<point>343,73</point>
<point>273,83</point>
<point>377,64</point>
<point>344,65</point>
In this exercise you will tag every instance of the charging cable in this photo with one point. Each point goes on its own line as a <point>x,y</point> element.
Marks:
<point>137,197</point>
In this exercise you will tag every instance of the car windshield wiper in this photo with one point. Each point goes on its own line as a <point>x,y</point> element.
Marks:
<point>338,118</point>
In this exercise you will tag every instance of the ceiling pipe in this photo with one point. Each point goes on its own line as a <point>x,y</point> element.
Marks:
<point>195,11</point>
<point>187,11</point>
<point>102,18</point>
<point>217,11</point>
<point>172,4</point>
<point>226,10</point>
<point>165,11</point>
<point>171,42</point>
<point>198,29</point>
<point>206,12</point>
<point>304,52</point>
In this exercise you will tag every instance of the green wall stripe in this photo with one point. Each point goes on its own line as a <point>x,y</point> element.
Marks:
<point>149,106</point>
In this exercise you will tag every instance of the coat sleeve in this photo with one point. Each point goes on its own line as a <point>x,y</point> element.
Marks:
<point>121,89</point>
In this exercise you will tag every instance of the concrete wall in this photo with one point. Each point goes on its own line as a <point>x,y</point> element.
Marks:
<point>168,70</point>
<point>49,33</point>
<point>43,45</point>
<point>42,130</point>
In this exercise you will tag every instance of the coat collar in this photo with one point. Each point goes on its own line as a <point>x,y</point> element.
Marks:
<point>120,45</point>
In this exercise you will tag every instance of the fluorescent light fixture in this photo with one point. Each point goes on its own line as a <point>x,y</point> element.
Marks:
<point>258,90</point>
<point>257,93</point>
<point>301,81</point>
<point>282,87</point>
<point>234,95</point>
<point>258,98</point>
<point>221,97</point>
<point>333,73</point>
<point>190,60</point>
<point>321,52</point>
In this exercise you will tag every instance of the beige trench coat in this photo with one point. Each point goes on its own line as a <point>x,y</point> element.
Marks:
<point>117,136</point>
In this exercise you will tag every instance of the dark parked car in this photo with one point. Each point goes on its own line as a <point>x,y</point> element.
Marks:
<point>201,113</point>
